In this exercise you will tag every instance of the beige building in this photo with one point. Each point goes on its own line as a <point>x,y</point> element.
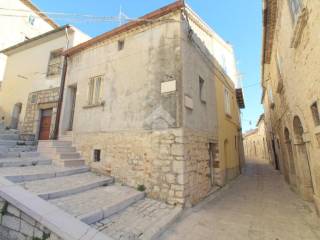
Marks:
<point>255,144</point>
<point>291,91</point>
<point>30,89</point>
<point>20,20</point>
<point>142,103</point>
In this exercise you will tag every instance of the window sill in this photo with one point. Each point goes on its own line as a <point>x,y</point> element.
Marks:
<point>299,27</point>
<point>101,104</point>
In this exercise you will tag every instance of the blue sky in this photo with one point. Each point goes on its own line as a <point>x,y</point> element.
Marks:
<point>237,21</point>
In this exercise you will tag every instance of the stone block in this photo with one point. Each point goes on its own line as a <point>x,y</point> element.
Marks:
<point>26,228</point>
<point>178,166</point>
<point>170,178</point>
<point>14,211</point>
<point>11,222</point>
<point>177,149</point>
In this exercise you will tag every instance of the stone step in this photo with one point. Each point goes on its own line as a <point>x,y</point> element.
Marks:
<point>22,149</point>
<point>57,149</point>
<point>69,155</point>
<point>97,204</point>
<point>54,143</point>
<point>8,143</point>
<point>9,136</point>
<point>32,173</point>
<point>145,219</point>
<point>68,185</point>
<point>29,154</point>
<point>23,162</point>
<point>72,162</point>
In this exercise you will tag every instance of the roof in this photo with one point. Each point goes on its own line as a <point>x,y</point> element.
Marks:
<point>30,5</point>
<point>260,119</point>
<point>269,25</point>
<point>16,47</point>
<point>128,26</point>
<point>250,132</point>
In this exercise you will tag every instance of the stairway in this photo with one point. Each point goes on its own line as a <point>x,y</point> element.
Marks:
<point>12,146</point>
<point>117,211</point>
<point>61,152</point>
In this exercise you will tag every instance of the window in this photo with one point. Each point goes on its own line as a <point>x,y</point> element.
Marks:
<point>94,90</point>
<point>270,94</point>
<point>295,8</point>
<point>55,61</point>
<point>315,113</point>
<point>31,20</point>
<point>96,155</point>
<point>227,104</point>
<point>202,90</point>
<point>120,45</point>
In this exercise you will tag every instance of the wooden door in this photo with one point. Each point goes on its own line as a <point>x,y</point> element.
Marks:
<point>45,124</point>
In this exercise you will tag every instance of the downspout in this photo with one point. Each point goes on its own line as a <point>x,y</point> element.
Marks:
<point>62,84</point>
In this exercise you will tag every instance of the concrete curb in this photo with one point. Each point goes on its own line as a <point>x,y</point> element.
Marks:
<point>39,176</point>
<point>71,191</point>
<point>103,213</point>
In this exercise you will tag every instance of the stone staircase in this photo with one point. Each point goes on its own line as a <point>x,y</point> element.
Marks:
<point>118,211</point>
<point>61,152</point>
<point>12,146</point>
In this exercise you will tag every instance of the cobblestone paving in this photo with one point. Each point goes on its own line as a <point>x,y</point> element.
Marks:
<point>63,183</point>
<point>86,202</point>
<point>134,221</point>
<point>259,205</point>
<point>14,171</point>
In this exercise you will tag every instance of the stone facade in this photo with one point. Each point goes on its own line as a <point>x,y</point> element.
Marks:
<point>37,101</point>
<point>255,144</point>
<point>291,88</point>
<point>16,225</point>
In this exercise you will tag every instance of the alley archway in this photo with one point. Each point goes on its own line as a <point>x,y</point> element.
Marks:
<point>292,167</point>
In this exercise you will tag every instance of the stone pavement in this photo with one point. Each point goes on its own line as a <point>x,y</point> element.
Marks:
<point>258,205</point>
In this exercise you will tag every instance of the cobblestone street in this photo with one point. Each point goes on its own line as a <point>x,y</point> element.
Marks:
<point>258,205</point>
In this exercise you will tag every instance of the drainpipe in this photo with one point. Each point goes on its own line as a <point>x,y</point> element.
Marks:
<point>62,84</point>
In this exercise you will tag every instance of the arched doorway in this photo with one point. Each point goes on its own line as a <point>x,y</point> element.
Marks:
<point>306,186</point>
<point>292,167</point>
<point>15,115</point>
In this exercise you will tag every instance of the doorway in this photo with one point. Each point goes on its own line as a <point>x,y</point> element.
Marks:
<point>73,95</point>
<point>303,158</point>
<point>212,164</point>
<point>15,117</point>
<point>276,159</point>
<point>45,124</point>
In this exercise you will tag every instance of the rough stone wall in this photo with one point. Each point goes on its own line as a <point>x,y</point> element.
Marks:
<point>36,101</point>
<point>150,158</point>
<point>296,44</point>
<point>16,225</point>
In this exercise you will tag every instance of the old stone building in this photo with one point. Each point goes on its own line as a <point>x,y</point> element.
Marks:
<point>291,90</point>
<point>145,102</point>
<point>255,144</point>
<point>30,89</point>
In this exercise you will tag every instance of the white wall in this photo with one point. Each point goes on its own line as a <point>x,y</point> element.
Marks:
<point>16,27</point>
<point>220,49</point>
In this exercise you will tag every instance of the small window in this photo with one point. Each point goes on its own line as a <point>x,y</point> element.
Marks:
<point>55,61</point>
<point>31,20</point>
<point>94,90</point>
<point>227,103</point>
<point>295,8</point>
<point>315,113</point>
<point>202,90</point>
<point>33,98</point>
<point>120,45</point>
<point>96,155</point>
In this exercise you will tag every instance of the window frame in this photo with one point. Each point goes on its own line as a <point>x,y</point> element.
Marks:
<point>202,89</point>
<point>94,90</point>
<point>227,102</point>
<point>315,113</point>
<point>55,54</point>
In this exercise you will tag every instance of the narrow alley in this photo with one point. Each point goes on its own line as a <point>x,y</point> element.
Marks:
<point>257,205</point>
